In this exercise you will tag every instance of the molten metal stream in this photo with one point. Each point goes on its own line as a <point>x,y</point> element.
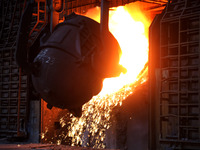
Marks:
<point>130,28</point>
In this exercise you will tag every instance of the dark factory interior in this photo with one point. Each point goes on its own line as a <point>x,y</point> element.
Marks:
<point>100,74</point>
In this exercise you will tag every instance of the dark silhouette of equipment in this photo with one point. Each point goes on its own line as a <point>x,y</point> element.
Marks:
<point>68,65</point>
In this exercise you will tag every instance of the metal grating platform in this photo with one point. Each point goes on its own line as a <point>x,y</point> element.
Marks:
<point>178,92</point>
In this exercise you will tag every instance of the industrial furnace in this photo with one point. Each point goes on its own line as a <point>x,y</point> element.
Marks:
<point>161,113</point>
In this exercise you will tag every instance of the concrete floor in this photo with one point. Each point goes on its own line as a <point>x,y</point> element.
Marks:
<point>41,147</point>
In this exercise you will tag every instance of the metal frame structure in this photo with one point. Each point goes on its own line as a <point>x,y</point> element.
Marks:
<point>14,84</point>
<point>175,102</point>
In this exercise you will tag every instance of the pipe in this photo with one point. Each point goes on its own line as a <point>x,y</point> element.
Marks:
<point>19,92</point>
<point>104,16</point>
<point>18,107</point>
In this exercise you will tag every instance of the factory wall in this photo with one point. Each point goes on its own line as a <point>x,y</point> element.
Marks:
<point>19,107</point>
<point>14,85</point>
<point>174,77</point>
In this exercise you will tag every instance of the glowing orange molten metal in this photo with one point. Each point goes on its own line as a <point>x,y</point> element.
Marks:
<point>130,28</point>
<point>132,36</point>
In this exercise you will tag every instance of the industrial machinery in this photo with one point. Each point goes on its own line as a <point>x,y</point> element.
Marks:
<point>174,65</point>
<point>68,65</point>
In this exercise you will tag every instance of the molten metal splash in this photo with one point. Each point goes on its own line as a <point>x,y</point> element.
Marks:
<point>132,35</point>
<point>133,41</point>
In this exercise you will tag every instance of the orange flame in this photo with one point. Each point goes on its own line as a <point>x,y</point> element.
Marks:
<point>132,36</point>
<point>130,28</point>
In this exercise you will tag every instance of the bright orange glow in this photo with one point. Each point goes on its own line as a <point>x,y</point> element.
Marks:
<point>133,39</point>
<point>130,27</point>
